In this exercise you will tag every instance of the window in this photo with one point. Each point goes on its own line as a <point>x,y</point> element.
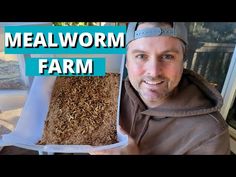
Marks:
<point>211,45</point>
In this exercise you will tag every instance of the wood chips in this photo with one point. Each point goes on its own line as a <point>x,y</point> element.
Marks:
<point>83,111</point>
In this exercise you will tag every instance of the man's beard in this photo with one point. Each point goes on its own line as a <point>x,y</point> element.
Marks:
<point>155,88</point>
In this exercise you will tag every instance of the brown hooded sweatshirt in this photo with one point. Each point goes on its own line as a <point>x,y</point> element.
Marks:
<point>188,122</point>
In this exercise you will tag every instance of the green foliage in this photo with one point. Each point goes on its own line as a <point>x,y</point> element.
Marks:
<point>219,32</point>
<point>76,23</point>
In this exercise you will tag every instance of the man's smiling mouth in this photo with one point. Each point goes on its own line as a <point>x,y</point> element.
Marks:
<point>153,83</point>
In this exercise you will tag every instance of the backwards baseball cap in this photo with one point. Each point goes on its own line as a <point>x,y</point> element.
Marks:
<point>177,30</point>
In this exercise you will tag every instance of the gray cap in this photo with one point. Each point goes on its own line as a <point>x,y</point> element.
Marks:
<point>178,30</point>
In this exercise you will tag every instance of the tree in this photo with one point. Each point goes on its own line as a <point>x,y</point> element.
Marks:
<point>76,23</point>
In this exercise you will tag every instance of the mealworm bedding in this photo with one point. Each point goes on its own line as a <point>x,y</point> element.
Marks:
<point>83,111</point>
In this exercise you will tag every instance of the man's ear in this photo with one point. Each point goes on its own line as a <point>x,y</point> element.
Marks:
<point>185,53</point>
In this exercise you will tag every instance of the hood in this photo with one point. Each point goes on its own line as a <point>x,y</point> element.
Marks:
<point>193,96</point>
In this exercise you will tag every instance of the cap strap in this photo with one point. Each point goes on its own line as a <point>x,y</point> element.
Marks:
<point>149,32</point>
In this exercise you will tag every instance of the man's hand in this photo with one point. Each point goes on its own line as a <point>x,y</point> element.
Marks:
<point>130,149</point>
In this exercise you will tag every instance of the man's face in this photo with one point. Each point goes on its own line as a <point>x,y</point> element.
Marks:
<point>155,66</point>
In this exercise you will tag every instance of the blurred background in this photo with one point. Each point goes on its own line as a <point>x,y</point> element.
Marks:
<point>211,53</point>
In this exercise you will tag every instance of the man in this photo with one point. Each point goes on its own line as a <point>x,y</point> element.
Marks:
<point>166,109</point>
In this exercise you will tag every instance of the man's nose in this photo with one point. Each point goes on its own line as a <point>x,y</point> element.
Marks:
<point>154,68</point>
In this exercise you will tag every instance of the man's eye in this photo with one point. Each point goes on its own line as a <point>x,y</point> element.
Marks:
<point>167,57</point>
<point>140,56</point>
